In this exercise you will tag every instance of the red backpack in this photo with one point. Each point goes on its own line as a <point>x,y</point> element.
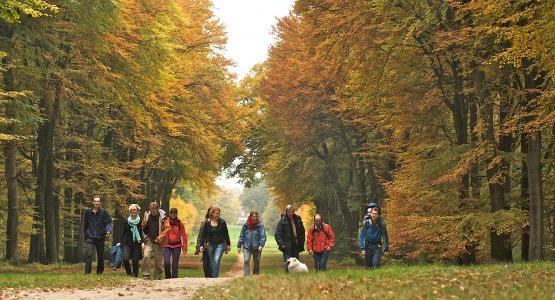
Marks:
<point>174,237</point>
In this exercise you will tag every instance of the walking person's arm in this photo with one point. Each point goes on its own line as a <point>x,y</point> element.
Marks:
<point>331,237</point>
<point>183,238</point>
<point>262,241</point>
<point>166,227</point>
<point>279,237</point>
<point>385,238</point>
<point>362,236</point>
<point>107,220</point>
<point>301,235</point>
<point>200,242</point>
<point>309,240</point>
<point>226,237</point>
<point>241,239</point>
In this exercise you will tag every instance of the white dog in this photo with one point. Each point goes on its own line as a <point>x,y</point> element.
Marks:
<point>295,266</point>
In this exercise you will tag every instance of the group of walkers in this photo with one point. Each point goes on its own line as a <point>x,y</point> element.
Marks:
<point>158,239</point>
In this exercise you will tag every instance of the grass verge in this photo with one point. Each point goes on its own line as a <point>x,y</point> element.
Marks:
<point>496,281</point>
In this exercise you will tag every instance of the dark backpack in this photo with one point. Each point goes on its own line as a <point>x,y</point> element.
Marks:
<point>380,224</point>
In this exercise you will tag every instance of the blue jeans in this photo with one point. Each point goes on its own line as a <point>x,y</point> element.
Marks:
<point>320,260</point>
<point>247,258</point>
<point>373,255</point>
<point>215,253</point>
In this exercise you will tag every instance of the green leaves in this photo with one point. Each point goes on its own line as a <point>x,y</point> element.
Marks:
<point>12,10</point>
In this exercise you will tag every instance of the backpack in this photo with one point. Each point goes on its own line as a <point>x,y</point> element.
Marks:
<point>313,229</point>
<point>380,225</point>
<point>175,235</point>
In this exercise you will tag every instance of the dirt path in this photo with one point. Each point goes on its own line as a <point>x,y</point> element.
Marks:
<point>178,288</point>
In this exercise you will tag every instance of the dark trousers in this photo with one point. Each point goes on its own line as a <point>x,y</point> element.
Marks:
<point>373,255</point>
<point>206,264</point>
<point>320,260</point>
<point>171,261</point>
<point>294,252</point>
<point>134,253</point>
<point>92,246</point>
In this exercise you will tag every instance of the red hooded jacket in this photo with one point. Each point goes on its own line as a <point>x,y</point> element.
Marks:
<point>319,240</point>
<point>177,237</point>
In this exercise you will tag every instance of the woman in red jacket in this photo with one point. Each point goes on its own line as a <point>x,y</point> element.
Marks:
<point>177,241</point>
<point>319,242</point>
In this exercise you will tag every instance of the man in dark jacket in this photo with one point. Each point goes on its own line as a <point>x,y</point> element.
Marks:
<point>97,224</point>
<point>290,234</point>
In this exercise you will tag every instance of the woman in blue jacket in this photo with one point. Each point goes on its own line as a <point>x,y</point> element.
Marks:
<point>251,241</point>
<point>371,235</point>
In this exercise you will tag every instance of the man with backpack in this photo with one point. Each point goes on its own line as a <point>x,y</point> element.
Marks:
<point>319,242</point>
<point>372,234</point>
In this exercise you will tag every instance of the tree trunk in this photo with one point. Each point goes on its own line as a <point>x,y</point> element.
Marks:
<point>475,182</point>
<point>536,197</point>
<point>10,153</point>
<point>68,225</point>
<point>78,234</point>
<point>50,105</point>
<point>500,243</point>
<point>532,82</point>
<point>524,201</point>
<point>460,119</point>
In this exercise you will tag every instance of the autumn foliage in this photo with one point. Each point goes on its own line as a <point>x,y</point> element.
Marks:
<point>441,111</point>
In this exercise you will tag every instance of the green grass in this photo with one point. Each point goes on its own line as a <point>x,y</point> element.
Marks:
<point>57,276</point>
<point>494,281</point>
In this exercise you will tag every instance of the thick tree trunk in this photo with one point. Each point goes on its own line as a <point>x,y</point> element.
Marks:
<point>500,243</point>
<point>536,197</point>
<point>532,82</point>
<point>524,197</point>
<point>50,105</point>
<point>10,153</point>
<point>68,225</point>
<point>460,118</point>
<point>10,168</point>
<point>78,234</point>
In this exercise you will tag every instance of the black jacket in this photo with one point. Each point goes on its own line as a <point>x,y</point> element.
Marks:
<point>96,224</point>
<point>127,236</point>
<point>284,234</point>
<point>206,236</point>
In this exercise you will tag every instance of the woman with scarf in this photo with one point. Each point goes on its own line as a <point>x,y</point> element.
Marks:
<point>177,241</point>
<point>251,241</point>
<point>132,241</point>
